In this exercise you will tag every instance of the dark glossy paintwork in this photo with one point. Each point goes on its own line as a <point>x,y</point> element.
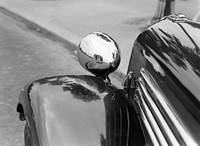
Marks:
<point>169,51</point>
<point>80,110</point>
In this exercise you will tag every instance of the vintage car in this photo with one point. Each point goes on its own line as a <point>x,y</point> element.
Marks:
<point>159,103</point>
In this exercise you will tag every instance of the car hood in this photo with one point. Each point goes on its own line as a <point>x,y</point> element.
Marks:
<point>69,110</point>
<point>169,53</point>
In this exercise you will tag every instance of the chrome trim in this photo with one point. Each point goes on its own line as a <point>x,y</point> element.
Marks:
<point>115,123</point>
<point>27,121</point>
<point>127,82</point>
<point>128,124</point>
<point>161,99</point>
<point>176,17</point>
<point>148,126</point>
<point>120,111</point>
<point>159,120</point>
<point>154,126</point>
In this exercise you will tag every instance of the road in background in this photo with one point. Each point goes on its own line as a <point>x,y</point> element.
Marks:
<point>26,55</point>
<point>73,19</point>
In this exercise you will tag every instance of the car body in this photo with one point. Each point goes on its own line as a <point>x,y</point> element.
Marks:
<point>159,104</point>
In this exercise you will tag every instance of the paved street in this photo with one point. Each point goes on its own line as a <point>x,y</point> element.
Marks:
<point>24,56</point>
<point>73,19</point>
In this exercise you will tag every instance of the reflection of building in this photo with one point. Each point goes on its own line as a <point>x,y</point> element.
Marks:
<point>164,8</point>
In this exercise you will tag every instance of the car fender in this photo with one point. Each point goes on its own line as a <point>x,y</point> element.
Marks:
<point>67,102</point>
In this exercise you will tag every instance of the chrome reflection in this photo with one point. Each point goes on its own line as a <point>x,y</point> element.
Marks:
<point>99,54</point>
<point>154,127</point>
<point>182,136</point>
<point>159,119</point>
<point>145,120</point>
<point>122,125</point>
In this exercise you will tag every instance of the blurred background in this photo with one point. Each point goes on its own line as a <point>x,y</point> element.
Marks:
<point>39,37</point>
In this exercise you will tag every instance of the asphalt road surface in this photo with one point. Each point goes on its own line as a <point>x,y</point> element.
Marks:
<point>25,55</point>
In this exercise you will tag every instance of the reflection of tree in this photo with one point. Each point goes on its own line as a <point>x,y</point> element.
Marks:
<point>193,56</point>
<point>194,25</point>
<point>169,46</point>
<point>103,36</point>
<point>79,91</point>
<point>102,140</point>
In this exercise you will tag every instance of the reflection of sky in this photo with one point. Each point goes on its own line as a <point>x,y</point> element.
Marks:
<point>195,33</point>
<point>96,45</point>
<point>176,31</point>
<point>64,120</point>
<point>154,63</point>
